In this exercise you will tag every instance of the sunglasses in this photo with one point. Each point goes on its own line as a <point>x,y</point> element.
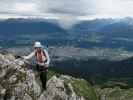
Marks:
<point>37,48</point>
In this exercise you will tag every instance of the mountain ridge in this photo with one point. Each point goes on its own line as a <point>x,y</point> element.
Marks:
<point>20,82</point>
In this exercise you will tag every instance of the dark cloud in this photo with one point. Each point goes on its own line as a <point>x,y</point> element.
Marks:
<point>70,7</point>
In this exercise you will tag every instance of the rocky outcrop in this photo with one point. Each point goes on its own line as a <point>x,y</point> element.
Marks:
<point>60,90</point>
<point>18,82</point>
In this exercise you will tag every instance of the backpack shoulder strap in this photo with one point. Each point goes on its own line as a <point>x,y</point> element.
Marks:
<point>45,54</point>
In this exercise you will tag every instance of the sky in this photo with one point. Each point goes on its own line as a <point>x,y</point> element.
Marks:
<point>80,9</point>
<point>66,10</point>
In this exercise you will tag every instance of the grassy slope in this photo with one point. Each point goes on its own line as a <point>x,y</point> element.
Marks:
<point>85,89</point>
<point>80,86</point>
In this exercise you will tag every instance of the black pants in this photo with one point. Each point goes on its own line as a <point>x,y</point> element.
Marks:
<point>43,75</point>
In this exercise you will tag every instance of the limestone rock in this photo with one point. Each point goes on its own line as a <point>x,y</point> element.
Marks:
<point>18,82</point>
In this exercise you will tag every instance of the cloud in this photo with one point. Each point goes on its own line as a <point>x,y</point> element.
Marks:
<point>5,6</point>
<point>67,11</point>
<point>25,8</point>
<point>69,7</point>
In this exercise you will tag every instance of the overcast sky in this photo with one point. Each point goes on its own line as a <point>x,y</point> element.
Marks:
<point>81,9</point>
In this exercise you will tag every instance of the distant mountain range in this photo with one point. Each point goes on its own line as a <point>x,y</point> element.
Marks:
<point>28,26</point>
<point>106,26</point>
<point>116,32</point>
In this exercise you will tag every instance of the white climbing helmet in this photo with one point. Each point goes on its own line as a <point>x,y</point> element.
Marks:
<point>38,45</point>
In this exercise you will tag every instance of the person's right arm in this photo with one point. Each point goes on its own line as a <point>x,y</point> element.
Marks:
<point>29,56</point>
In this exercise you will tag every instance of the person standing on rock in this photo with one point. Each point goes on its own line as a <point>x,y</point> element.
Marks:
<point>42,61</point>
